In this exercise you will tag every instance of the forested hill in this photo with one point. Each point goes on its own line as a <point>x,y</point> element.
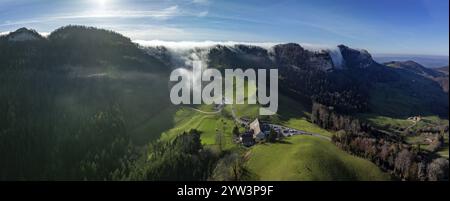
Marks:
<point>74,45</point>
<point>72,103</point>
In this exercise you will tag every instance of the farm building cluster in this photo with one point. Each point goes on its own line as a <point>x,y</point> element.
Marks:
<point>257,132</point>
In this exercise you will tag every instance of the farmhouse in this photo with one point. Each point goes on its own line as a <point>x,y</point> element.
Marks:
<point>415,118</point>
<point>257,131</point>
<point>258,134</point>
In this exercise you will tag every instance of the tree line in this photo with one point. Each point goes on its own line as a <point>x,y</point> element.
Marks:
<point>388,152</point>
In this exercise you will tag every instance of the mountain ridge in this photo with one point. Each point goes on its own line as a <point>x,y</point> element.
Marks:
<point>342,81</point>
<point>438,74</point>
<point>84,103</point>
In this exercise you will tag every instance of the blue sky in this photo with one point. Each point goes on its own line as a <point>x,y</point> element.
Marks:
<point>381,26</point>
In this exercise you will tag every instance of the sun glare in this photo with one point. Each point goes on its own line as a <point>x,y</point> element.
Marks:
<point>101,3</point>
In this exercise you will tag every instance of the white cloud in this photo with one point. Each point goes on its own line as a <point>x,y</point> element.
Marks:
<point>19,22</point>
<point>45,34</point>
<point>202,14</point>
<point>210,43</point>
<point>140,32</point>
<point>165,13</point>
<point>184,45</point>
<point>200,1</point>
<point>157,14</point>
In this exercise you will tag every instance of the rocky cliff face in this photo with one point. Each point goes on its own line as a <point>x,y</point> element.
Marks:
<point>356,58</point>
<point>278,56</point>
<point>295,56</point>
<point>323,76</point>
<point>345,78</point>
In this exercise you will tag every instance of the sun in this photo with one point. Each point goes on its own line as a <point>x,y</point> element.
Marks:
<point>101,3</point>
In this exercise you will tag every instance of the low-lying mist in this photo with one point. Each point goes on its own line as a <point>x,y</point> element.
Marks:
<point>184,52</point>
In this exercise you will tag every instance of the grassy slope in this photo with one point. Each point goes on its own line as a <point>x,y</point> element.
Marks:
<point>394,125</point>
<point>392,104</point>
<point>288,161</point>
<point>211,126</point>
<point>293,114</point>
<point>290,113</point>
<point>309,158</point>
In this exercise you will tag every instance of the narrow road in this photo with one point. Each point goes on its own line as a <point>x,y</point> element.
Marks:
<point>414,124</point>
<point>240,121</point>
<point>235,117</point>
<point>203,112</point>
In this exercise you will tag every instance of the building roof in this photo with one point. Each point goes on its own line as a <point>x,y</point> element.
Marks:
<point>255,126</point>
<point>247,139</point>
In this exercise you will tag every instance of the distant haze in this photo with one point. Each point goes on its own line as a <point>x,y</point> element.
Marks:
<point>430,61</point>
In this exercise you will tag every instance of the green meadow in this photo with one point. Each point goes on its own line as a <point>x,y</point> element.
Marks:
<point>309,158</point>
